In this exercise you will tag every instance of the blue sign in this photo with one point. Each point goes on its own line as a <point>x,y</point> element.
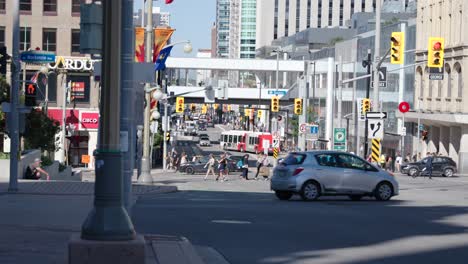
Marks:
<point>37,57</point>
<point>314,129</point>
<point>275,92</point>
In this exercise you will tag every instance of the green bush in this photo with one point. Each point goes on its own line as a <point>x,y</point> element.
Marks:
<point>46,161</point>
<point>4,155</point>
<point>62,167</point>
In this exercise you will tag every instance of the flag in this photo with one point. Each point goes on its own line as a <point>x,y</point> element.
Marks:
<point>169,1</point>
<point>139,44</point>
<point>161,61</point>
<point>161,36</point>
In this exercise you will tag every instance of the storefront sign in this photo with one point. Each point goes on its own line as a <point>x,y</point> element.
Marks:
<point>71,114</point>
<point>72,63</point>
<point>89,120</point>
<point>78,90</point>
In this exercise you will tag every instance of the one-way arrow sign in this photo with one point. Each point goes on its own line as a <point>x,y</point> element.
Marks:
<point>376,115</point>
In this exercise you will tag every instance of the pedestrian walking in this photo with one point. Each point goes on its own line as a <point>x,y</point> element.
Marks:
<point>175,159</point>
<point>210,165</point>
<point>428,167</point>
<point>245,166</point>
<point>260,159</point>
<point>398,162</point>
<point>264,170</point>
<point>389,164</point>
<point>382,161</point>
<point>222,167</point>
<point>169,162</point>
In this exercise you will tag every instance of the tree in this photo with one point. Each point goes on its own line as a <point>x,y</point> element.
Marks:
<point>4,97</point>
<point>40,131</point>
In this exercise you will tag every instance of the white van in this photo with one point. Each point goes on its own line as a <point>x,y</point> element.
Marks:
<point>189,128</point>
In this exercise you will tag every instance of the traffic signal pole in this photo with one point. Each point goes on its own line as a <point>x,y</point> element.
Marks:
<point>377,60</point>
<point>368,85</point>
<point>14,94</point>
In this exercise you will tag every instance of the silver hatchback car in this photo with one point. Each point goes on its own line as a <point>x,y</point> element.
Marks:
<point>315,173</point>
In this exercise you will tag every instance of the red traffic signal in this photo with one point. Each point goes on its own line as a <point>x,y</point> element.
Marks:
<point>437,46</point>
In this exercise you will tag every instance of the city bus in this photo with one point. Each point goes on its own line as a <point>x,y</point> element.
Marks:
<point>246,141</point>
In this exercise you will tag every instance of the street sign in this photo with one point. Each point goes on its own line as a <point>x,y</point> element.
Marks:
<point>375,128</point>
<point>154,127</point>
<point>403,131</point>
<point>404,107</point>
<point>277,92</point>
<point>376,115</point>
<point>339,136</point>
<point>40,57</point>
<point>312,132</point>
<point>382,78</point>
<point>275,143</point>
<point>302,127</point>
<point>436,74</point>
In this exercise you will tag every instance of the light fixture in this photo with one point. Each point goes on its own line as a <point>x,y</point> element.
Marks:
<point>155,115</point>
<point>157,94</point>
<point>188,47</point>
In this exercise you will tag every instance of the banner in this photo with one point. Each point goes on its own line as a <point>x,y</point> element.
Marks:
<point>161,36</point>
<point>161,61</point>
<point>139,44</point>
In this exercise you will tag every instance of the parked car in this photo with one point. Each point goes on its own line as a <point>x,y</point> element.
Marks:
<point>441,166</point>
<point>316,173</point>
<point>205,141</point>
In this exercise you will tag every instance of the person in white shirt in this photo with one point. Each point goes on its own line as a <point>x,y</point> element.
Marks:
<point>210,165</point>
<point>398,162</point>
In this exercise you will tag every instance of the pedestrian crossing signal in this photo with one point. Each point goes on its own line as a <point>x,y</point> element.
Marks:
<point>274,103</point>
<point>298,106</point>
<point>179,104</point>
<point>30,95</point>
<point>168,136</point>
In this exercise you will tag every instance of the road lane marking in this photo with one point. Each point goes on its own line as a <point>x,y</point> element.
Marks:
<point>236,222</point>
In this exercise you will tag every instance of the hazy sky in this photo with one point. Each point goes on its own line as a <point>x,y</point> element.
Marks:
<point>192,20</point>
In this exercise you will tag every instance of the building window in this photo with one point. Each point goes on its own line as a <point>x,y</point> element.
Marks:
<point>2,36</point>
<point>286,20</point>
<point>25,5</point>
<point>76,6</point>
<point>50,6</point>
<point>275,27</point>
<point>448,77</point>
<point>2,5</point>
<point>298,14</point>
<point>308,12</point>
<point>49,39</point>
<point>75,41</point>
<point>460,81</point>
<point>25,38</point>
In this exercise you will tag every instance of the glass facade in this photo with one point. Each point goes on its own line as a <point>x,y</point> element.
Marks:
<point>248,29</point>
<point>222,18</point>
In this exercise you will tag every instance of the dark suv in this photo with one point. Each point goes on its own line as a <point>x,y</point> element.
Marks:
<point>443,166</point>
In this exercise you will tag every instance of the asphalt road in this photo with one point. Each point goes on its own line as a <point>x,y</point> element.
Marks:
<point>247,224</point>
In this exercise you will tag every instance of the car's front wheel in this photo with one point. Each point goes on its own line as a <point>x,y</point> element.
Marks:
<point>283,195</point>
<point>413,172</point>
<point>310,191</point>
<point>383,191</point>
<point>448,172</point>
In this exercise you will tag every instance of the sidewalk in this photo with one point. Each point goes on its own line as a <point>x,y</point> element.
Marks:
<point>38,221</point>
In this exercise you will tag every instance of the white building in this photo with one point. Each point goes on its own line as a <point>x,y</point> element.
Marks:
<point>440,106</point>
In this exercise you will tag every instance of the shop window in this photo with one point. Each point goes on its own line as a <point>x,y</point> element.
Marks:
<point>80,88</point>
<point>76,7</point>
<point>2,36</point>
<point>2,5</point>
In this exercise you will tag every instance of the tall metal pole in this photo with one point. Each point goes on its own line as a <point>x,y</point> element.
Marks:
<point>14,94</point>
<point>165,129</point>
<point>376,101</point>
<point>340,92</point>
<point>109,220</point>
<point>145,176</point>
<point>127,123</point>
<point>366,144</point>
<point>64,122</point>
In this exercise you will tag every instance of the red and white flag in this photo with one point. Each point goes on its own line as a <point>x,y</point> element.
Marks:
<point>169,1</point>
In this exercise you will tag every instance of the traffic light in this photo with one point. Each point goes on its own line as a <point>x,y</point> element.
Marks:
<point>435,52</point>
<point>366,107</point>
<point>298,106</point>
<point>397,48</point>
<point>30,95</point>
<point>179,104</point>
<point>3,60</point>
<point>204,109</point>
<point>247,112</point>
<point>259,113</point>
<point>168,136</point>
<point>274,103</point>
<point>193,107</point>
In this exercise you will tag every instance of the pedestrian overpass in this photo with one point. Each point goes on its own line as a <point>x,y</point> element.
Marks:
<point>259,95</point>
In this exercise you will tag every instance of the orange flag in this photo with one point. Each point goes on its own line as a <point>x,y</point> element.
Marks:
<point>139,44</point>
<point>161,36</point>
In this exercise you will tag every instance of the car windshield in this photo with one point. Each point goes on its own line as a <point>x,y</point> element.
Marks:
<point>294,159</point>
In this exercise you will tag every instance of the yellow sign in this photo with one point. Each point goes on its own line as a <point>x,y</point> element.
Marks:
<point>85,159</point>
